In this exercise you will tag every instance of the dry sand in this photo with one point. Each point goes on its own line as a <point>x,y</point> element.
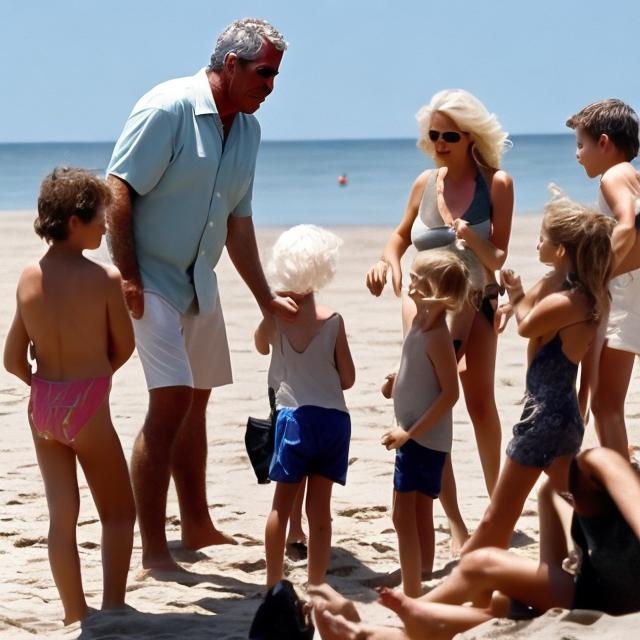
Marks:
<point>227,587</point>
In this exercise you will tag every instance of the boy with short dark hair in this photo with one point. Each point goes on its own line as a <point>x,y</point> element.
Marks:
<point>607,141</point>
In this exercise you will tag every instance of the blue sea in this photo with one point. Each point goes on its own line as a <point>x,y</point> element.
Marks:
<point>298,181</point>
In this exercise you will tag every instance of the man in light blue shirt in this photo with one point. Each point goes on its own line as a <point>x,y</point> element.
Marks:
<point>182,175</point>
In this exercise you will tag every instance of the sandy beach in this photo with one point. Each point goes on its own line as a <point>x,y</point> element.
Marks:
<point>228,581</point>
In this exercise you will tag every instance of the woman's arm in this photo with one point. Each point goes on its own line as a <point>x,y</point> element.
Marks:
<point>397,244</point>
<point>492,252</point>
<point>263,336</point>
<point>440,352</point>
<point>16,348</point>
<point>121,340</point>
<point>344,361</point>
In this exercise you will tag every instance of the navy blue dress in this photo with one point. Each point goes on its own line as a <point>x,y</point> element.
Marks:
<point>551,424</point>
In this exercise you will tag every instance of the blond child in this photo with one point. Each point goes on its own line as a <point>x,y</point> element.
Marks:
<point>424,392</point>
<point>560,314</point>
<point>607,141</point>
<point>71,313</point>
<point>313,427</point>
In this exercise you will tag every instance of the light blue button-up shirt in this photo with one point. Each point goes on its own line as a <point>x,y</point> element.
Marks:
<point>189,179</point>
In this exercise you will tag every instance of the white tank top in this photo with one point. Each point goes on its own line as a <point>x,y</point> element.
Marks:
<point>416,388</point>
<point>309,377</point>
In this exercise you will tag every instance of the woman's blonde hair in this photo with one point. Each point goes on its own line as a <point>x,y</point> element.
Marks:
<point>488,139</point>
<point>304,259</point>
<point>440,275</point>
<point>585,235</point>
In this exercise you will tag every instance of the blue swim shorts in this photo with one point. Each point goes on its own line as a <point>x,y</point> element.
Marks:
<point>418,468</point>
<point>311,440</point>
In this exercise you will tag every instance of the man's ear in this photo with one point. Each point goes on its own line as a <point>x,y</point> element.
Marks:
<point>230,62</point>
<point>603,141</point>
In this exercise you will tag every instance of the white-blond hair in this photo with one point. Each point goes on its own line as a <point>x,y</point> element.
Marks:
<point>303,259</point>
<point>488,139</point>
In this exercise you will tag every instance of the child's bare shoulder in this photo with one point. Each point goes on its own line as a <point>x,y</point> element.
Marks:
<point>620,173</point>
<point>324,313</point>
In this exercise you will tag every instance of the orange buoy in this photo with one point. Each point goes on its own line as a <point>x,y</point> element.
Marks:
<point>342,180</point>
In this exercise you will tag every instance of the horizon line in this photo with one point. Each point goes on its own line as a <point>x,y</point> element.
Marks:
<point>281,140</point>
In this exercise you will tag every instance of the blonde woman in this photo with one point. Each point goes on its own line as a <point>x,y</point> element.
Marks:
<point>470,199</point>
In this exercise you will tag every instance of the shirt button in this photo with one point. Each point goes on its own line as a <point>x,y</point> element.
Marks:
<point>202,253</point>
<point>211,224</point>
<point>218,194</point>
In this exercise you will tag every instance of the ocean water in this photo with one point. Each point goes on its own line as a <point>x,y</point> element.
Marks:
<point>298,181</point>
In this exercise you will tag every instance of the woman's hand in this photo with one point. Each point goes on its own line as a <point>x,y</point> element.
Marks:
<point>394,438</point>
<point>387,386</point>
<point>377,276</point>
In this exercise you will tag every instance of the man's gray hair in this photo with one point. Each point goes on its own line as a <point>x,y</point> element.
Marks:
<point>245,38</point>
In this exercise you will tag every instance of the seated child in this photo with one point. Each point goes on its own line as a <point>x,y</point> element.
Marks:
<point>313,428</point>
<point>71,313</point>
<point>424,392</point>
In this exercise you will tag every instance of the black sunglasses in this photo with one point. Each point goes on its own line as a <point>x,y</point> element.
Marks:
<point>448,136</point>
<point>263,72</point>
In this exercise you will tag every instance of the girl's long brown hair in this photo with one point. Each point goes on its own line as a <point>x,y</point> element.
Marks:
<point>586,236</point>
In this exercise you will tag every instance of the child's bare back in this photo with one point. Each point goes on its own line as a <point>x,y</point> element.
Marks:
<point>67,304</point>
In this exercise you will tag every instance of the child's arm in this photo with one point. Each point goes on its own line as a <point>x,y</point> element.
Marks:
<point>16,348</point>
<point>441,354</point>
<point>555,311</point>
<point>342,355</point>
<point>619,193</point>
<point>121,339</point>
<point>263,336</point>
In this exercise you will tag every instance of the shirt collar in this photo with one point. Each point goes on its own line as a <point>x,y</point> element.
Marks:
<point>203,101</point>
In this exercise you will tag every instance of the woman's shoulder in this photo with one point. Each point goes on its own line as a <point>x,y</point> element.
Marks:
<point>500,179</point>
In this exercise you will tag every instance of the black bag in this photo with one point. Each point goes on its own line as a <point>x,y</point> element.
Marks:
<point>258,440</point>
<point>281,616</point>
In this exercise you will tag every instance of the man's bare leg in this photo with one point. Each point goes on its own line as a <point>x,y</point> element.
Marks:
<point>151,471</point>
<point>189,470</point>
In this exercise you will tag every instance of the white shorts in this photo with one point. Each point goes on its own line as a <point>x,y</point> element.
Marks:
<point>182,350</point>
<point>623,327</point>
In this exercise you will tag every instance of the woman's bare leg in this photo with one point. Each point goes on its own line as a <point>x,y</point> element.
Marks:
<point>478,386</point>
<point>319,516</point>
<point>276,529</point>
<point>449,501</point>
<point>614,374</point>
<point>507,501</point>
<point>409,547</point>
<point>100,454</point>
<point>58,467</point>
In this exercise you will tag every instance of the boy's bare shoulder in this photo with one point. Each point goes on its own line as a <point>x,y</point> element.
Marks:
<point>31,275</point>
<point>623,171</point>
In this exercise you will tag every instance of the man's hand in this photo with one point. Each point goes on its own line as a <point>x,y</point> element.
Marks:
<point>394,438</point>
<point>284,308</point>
<point>134,297</point>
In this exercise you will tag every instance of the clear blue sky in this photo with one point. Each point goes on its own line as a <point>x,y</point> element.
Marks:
<point>72,69</point>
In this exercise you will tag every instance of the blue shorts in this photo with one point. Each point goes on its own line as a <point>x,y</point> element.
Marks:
<point>418,468</point>
<point>311,440</point>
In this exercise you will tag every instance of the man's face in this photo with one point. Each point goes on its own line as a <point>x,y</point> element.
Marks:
<point>251,81</point>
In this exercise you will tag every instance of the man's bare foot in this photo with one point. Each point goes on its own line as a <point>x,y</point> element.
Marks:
<point>199,538</point>
<point>333,601</point>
